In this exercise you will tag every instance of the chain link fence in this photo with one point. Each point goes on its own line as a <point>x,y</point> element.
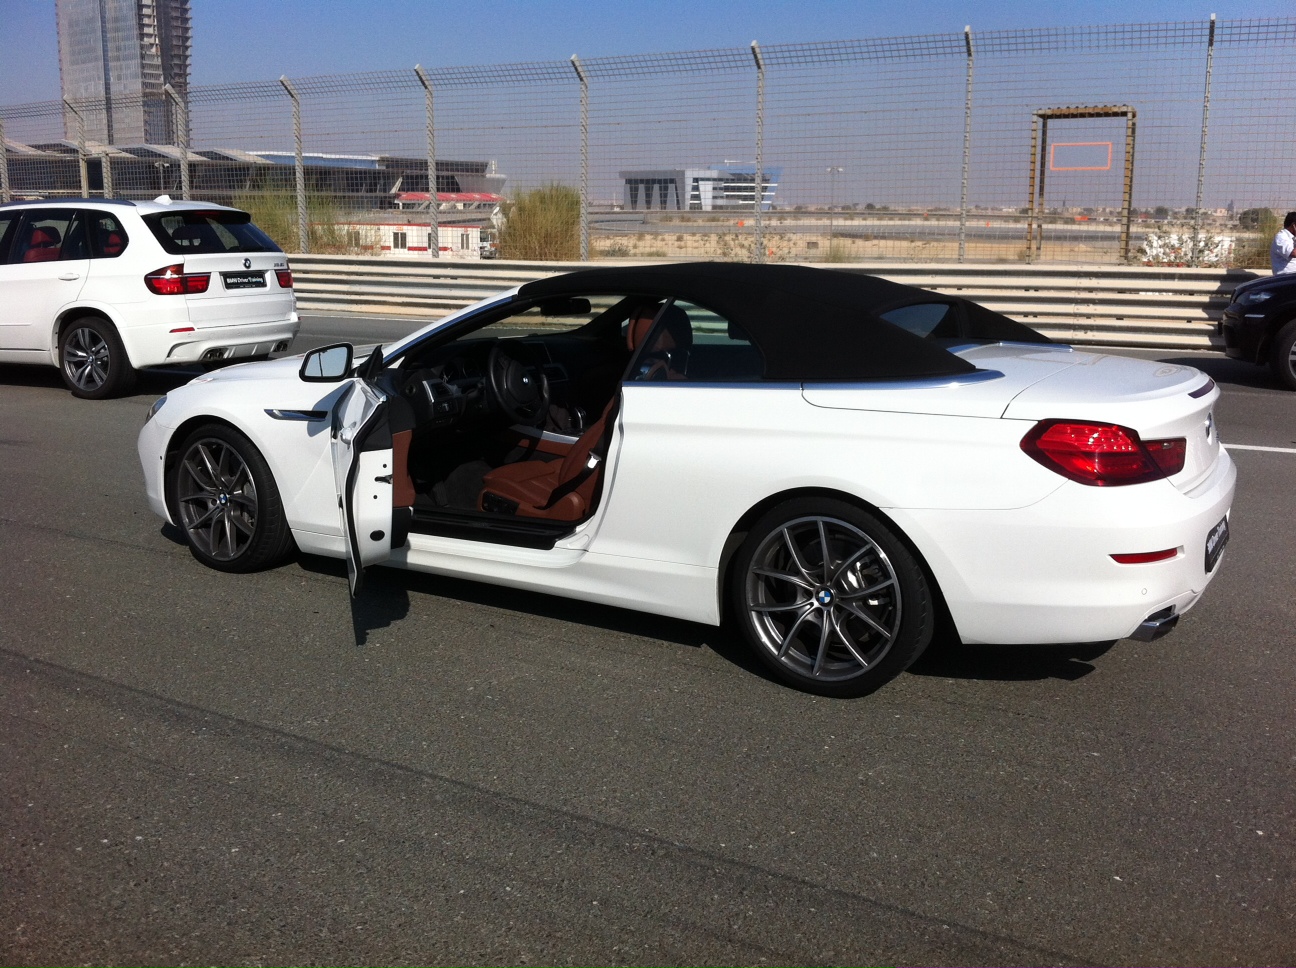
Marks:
<point>1161,143</point>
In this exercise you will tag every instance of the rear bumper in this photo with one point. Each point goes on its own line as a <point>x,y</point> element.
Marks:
<point>1044,574</point>
<point>161,346</point>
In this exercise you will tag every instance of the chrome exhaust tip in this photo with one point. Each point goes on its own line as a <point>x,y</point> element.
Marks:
<point>1157,624</point>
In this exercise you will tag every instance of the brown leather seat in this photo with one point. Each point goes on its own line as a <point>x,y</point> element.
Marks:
<point>559,490</point>
<point>567,489</point>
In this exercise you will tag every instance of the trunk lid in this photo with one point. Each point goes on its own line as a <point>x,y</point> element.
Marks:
<point>244,288</point>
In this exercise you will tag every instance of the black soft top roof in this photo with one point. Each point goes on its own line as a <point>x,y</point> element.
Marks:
<point>809,324</point>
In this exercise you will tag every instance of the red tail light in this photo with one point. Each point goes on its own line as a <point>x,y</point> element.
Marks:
<point>285,278</point>
<point>1169,454</point>
<point>173,281</point>
<point>1103,455</point>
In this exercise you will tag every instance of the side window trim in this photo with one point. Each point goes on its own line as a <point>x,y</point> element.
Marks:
<point>76,233</point>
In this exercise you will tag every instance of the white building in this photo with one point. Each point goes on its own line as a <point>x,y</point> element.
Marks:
<point>391,234</point>
<point>719,188</point>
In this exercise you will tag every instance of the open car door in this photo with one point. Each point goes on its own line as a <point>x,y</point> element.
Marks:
<point>371,434</point>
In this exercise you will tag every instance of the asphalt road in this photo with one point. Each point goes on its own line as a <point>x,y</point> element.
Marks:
<point>200,768</point>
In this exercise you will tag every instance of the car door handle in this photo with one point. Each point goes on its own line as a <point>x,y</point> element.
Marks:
<point>69,276</point>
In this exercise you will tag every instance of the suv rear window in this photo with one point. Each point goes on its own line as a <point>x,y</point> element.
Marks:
<point>195,233</point>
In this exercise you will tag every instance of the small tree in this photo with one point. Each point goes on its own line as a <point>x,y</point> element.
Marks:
<point>542,224</point>
<point>1258,219</point>
<point>1260,225</point>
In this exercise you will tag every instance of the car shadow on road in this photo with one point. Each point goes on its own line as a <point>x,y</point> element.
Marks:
<point>384,599</point>
<point>1009,663</point>
<point>150,383</point>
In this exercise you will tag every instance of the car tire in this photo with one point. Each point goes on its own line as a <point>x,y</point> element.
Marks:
<point>225,501</point>
<point>92,359</point>
<point>837,624</point>
<point>1282,356</point>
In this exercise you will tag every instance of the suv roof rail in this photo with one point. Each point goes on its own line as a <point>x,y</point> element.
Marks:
<point>72,201</point>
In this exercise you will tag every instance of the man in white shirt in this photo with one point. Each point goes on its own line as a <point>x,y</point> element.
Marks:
<point>1280,253</point>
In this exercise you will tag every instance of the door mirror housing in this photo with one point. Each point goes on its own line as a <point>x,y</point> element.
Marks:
<point>328,364</point>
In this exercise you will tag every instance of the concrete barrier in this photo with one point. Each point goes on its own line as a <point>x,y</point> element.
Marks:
<point>1141,306</point>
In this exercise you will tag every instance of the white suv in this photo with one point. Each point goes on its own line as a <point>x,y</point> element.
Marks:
<point>101,287</point>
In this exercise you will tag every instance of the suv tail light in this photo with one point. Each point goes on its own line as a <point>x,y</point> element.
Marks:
<point>1103,455</point>
<point>173,281</point>
<point>285,278</point>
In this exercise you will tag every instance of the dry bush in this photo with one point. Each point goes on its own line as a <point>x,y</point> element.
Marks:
<point>542,225</point>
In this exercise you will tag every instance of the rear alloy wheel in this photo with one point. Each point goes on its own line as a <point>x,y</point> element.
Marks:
<point>227,503</point>
<point>92,359</point>
<point>1282,356</point>
<point>830,599</point>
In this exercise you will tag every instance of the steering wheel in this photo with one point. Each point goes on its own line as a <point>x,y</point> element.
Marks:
<point>520,391</point>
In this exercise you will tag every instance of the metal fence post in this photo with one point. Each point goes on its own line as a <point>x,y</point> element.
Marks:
<point>299,167</point>
<point>758,188</point>
<point>81,148</point>
<point>105,166</point>
<point>4,166</point>
<point>1030,200</point>
<point>434,222</point>
<point>584,142</point>
<point>967,148</point>
<point>180,122</point>
<point>1127,196</point>
<point>1201,158</point>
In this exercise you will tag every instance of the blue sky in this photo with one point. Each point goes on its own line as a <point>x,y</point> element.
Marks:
<point>262,39</point>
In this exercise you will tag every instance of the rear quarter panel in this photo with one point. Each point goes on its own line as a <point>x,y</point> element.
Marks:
<point>693,460</point>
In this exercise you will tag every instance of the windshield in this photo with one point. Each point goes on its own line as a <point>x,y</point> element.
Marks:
<point>195,232</point>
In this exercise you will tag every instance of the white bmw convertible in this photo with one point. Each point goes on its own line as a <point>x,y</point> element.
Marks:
<point>836,463</point>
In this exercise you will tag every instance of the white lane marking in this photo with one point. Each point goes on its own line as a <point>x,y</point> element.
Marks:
<point>1271,450</point>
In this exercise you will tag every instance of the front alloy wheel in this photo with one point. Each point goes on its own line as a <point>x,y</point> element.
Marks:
<point>227,503</point>
<point>830,599</point>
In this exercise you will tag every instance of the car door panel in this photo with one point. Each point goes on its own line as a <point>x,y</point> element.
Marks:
<point>363,478</point>
<point>40,280</point>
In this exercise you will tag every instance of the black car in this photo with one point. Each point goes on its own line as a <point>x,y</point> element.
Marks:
<point>1260,325</point>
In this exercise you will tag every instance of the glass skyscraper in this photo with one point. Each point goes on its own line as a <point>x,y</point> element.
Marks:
<point>115,59</point>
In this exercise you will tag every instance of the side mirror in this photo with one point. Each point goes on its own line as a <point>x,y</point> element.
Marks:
<point>329,364</point>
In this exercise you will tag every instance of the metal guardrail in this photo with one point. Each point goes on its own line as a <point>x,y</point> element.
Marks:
<point>1138,306</point>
